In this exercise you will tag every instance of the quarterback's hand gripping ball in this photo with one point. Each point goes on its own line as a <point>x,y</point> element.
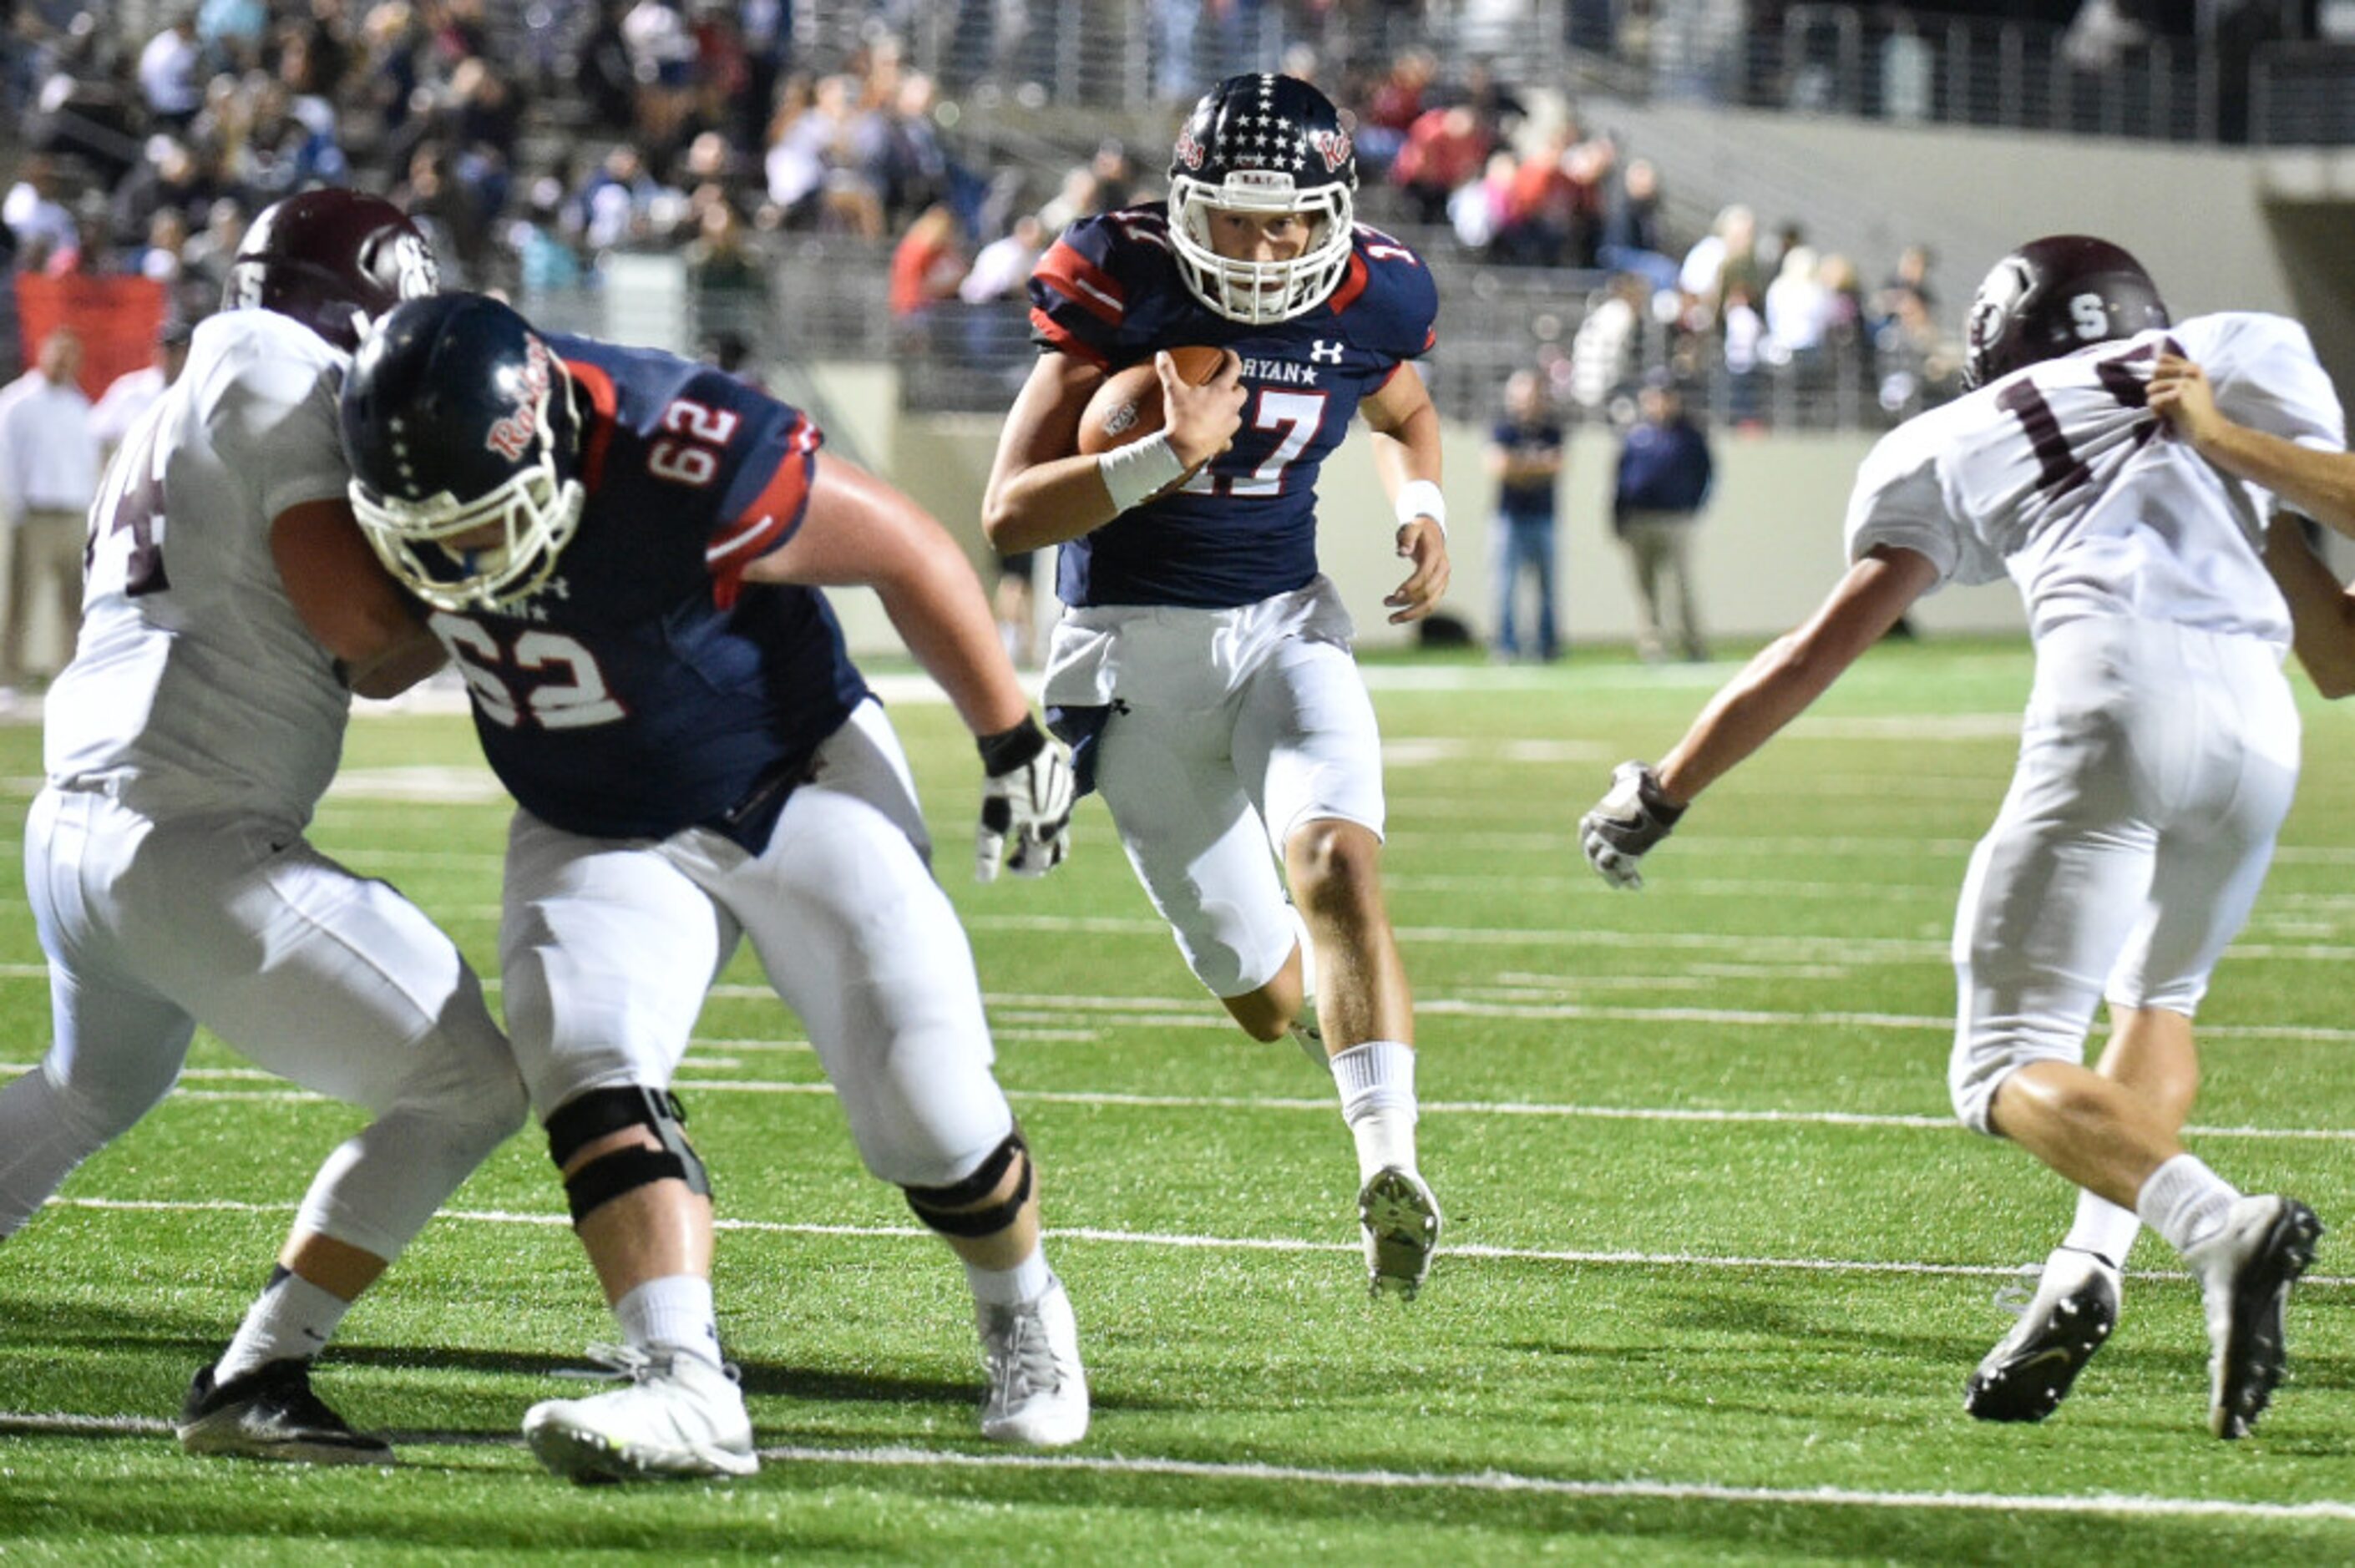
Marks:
<point>1625,824</point>
<point>1026,803</point>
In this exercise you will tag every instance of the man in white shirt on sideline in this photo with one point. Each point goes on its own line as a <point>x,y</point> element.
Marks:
<point>2157,758</point>
<point>49,475</point>
<point>129,395</point>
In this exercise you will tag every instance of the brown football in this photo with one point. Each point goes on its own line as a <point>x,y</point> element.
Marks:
<point>1127,407</point>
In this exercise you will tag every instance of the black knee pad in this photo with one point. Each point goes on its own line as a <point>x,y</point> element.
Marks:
<point>584,1119</point>
<point>948,1209</point>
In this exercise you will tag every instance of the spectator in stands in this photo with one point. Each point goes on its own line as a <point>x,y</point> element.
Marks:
<point>1664,476</point>
<point>1795,311</point>
<point>1445,150</point>
<point>812,173</point>
<point>131,394</point>
<point>730,279</point>
<point>167,72</point>
<point>1634,236</point>
<point>1742,332</point>
<point>926,266</point>
<point>49,477</point>
<point>1525,448</point>
<point>1724,258</point>
<point>1603,350</point>
<point>1391,107</point>
<point>33,210</point>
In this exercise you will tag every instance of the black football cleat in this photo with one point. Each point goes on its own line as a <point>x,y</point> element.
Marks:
<point>2027,1375</point>
<point>272,1413</point>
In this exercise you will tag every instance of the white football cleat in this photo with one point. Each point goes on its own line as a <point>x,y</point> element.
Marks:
<point>679,1416</point>
<point>2245,1271</point>
<point>1400,1219</point>
<point>1037,1390</point>
<point>2028,1374</point>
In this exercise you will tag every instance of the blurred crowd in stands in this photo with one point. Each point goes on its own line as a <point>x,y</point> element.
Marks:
<point>533,142</point>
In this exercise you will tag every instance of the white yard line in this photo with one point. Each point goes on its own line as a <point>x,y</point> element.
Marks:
<point>1314,1103</point>
<point>1184,1242</point>
<point>39,1424</point>
<point>1495,1481</point>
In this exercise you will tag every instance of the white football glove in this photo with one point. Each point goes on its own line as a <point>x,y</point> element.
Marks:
<point>1026,803</point>
<point>1626,823</point>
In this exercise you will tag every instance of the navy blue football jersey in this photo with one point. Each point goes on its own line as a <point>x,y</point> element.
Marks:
<point>645,687</point>
<point>1244,527</point>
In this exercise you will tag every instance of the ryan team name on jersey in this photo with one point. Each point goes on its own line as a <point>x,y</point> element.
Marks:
<point>645,688</point>
<point>1244,527</point>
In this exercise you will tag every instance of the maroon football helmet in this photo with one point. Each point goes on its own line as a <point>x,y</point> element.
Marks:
<point>333,259</point>
<point>2054,296</point>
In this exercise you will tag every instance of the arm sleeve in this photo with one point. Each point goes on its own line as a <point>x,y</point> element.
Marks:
<point>764,501</point>
<point>273,420</point>
<point>1079,305</point>
<point>1899,501</point>
<point>2267,376</point>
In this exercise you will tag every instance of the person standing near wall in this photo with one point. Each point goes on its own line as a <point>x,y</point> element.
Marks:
<point>49,475</point>
<point>1664,472</point>
<point>1524,459</point>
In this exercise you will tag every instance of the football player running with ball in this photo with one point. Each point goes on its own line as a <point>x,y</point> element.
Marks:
<point>187,743</point>
<point>1202,666</point>
<point>2158,755</point>
<point>622,551</point>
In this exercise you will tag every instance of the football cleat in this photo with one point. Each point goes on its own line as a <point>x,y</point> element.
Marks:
<point>272,1413</point>
<point>2028,1374</point>
<point>2245,1271</point>
<point>1037,1390</point>
<point>1401,1222</point>
<point>679,1416</point>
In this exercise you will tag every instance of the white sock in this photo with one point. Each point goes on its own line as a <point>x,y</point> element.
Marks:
<point>2103,1229</point>
<point>2184,1202</point>
<point>1377,1085</point>
<point>292,1317</point>
<point>674,1310</point>
<point>1016,1286</point>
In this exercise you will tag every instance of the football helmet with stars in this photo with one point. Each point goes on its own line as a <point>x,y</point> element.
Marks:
<point>333,259</point>
<point>1262,143</point>
<point>458,424</point>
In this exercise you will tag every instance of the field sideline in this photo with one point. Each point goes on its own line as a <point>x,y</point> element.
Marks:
<point>1718,1261</point>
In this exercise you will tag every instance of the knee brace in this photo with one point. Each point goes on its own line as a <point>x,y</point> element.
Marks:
<point>586,1117</point>
<point>949,1211</point>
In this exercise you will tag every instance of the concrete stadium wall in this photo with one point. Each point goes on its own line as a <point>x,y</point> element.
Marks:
<point>1769,548</point>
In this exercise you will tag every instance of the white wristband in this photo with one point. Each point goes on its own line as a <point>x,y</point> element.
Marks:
<point>1421,498</point>
<point>1140,471</point>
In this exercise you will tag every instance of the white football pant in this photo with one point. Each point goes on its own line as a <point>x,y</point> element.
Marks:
<point>2156,763</point>
<point>1202,791</point>
<point>329,979</point>
<point>609,946</point>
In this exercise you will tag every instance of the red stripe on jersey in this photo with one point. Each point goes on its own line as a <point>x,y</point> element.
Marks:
<point>1064,340</point>
<point>1083,283</point>
<point>774,514</point>
<point>603,405</point>
<point>1353,285</point>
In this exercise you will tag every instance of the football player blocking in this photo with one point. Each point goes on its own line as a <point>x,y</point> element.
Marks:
<point>622,552</point>
<point>188,743</point>
<point>1201,667</point>
<point>2158,759</point>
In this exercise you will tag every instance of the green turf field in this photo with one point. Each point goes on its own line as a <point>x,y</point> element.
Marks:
<point>1717,1264</point>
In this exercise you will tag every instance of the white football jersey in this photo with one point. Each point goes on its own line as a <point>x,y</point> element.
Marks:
<point>2062,476</point>
<point>194,685</point>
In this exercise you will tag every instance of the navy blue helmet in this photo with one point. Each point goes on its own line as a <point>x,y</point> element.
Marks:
<point>2054,296</point>
<point>333,259</point>
<point>1262,143</point>
<point>458,424</point>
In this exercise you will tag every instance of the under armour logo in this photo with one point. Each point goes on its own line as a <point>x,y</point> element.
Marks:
<point>1322,352</point>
